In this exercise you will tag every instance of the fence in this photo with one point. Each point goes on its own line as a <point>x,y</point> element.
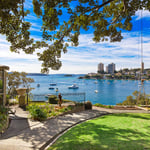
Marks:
<point>77,97</point>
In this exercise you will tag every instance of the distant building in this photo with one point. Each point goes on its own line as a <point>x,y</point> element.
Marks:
<point>110,68</point>
<point>107,69</point>
<point>100,67</point>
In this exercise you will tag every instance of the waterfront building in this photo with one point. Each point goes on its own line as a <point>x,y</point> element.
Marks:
<point>110,68</point>
<point>107,69</point>
<point>100,68</point>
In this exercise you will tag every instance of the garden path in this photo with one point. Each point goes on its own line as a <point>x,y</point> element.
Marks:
<point>25,134</point>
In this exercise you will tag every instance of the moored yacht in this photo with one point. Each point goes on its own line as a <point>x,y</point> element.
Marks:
<point>74,86</point>
<point>52,84</point>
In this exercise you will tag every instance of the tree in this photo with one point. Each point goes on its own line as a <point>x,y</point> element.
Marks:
<point>15,79</point>
<point>135,94</point>
<point>107,19</point>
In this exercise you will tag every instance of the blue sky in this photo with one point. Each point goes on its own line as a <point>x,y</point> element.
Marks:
<point>85,57</point>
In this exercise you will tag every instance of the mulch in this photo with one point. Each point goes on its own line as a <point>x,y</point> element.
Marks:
<point>125,108</point>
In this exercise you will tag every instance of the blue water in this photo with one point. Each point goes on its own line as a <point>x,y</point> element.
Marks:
<point>110,92</point>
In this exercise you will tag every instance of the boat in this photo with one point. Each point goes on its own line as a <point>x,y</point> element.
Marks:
<point>68,75</point>
<point>74,86</point>
<point>52,84</point>
<point>51,88</point>
<point>48,95</point>
<point>95,82</point>
<point>96,91</point>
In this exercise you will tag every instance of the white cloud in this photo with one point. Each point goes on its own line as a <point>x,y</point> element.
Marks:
<point>142,14</point>
<point>85,57</point>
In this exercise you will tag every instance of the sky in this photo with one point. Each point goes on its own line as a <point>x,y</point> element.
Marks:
<point>84,58</point>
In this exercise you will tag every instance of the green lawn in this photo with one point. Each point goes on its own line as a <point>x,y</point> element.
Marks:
<point>111,132</point>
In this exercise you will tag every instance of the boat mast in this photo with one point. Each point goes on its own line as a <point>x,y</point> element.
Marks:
<point>142,63</point>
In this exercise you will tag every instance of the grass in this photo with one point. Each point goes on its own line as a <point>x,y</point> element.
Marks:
<point>104,106</point>
<point>111,132</point>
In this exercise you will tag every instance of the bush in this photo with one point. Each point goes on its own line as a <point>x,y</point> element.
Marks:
<point>53,99</point>
<point>3,118</point>
<point>103,106</point>
<point>88,105</point>
<point>99,105</point>
<point>37,113</point>
<point>1,84</point>
<point>78,104</point>
<point>3,110</point>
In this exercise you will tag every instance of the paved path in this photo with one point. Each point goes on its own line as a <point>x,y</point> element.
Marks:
<point>25,134</point>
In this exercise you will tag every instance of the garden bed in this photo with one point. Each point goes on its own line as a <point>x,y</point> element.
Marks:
<point>118,107</point>
<point>126,108</point>
<point>43,112</point>
<point>147,108</point>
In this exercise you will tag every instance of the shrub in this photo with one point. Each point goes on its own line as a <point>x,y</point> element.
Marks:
<point>53,99</point>
<point>3,110</point>
<point>88,105</point>
<point>104,106</point>
<point>78,104</point>
<point>37,113</point>
<point>1,84</point>
<point>3,118</point>
<point>99,105</point>
<point>53,113</point>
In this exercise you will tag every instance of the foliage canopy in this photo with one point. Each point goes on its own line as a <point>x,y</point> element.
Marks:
<point>106,18</point>
<point>16,79</point>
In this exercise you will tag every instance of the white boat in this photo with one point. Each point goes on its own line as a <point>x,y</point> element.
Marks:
<point>95,82</point>
<point>52,84</point>
<point>48,95</point>
<point>96,91</point>
<point>74,86</point>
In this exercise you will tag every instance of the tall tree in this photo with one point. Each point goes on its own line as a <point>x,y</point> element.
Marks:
<point>16,79</point>
<point>107,19</point>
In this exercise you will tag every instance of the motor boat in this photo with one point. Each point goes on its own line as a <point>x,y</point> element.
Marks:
<point>48,95</point>
<point>38,85</point>
<point>74,86</point>
<point>95,82</point>
<point>96,91</point>
<point>52,84</point>
<point>51,88</point>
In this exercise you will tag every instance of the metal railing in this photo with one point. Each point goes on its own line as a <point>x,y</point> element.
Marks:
<point>76,97</point>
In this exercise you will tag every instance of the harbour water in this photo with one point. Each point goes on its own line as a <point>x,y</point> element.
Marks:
<point>110,92</point>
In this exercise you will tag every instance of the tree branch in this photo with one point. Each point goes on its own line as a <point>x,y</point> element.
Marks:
<point>114,21</point>
<point>94,8</point>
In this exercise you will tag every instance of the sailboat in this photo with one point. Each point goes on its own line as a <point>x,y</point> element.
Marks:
<point>95,82</point>
<point>96,91</point>
<point>52,84</point>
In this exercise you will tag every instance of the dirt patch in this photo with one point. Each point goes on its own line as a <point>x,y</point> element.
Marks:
<point>125,108</point>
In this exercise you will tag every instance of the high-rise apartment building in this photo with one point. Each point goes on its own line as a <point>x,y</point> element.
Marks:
<point>100,67</point>
<point>107,69</point>
<point>110,68</point>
